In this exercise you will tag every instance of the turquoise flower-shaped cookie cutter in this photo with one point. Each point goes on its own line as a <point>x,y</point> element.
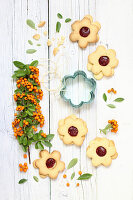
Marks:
<point>84,92</point>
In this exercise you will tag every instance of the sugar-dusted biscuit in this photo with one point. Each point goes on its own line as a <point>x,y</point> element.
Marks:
<point>49,164</point>
<point>101,151</point>
<point>85,31</point>
<point>102,62</point>
<point>72,130</point>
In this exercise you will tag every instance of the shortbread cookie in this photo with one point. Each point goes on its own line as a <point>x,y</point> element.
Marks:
<point>102,151</point>
<point>72,130</point>
<point>85,31</point>
<point>49,164</point>
<point>102,62</point>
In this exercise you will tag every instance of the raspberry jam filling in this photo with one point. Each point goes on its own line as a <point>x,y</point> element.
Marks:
<point>84,31</point>
<point>104,60</point>
<point>50,162</point>
<point>73,131</point>
<point>101,151</point>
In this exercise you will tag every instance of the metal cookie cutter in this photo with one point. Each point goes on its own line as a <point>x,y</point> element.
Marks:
<point>85,91</point>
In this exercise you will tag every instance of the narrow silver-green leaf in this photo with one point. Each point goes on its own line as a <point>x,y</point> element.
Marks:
<point>38,45</point>
<point>30,51</point>
<point>108,126</point>
<point>58,26</point>
<point>36,178</point>
<point>73,175</point>
<point>119,99</point>
<point>67,20</point>
<point>104,97</point>
<point>72,163</point>
<point>30,23</point>
<point>59,15</point>
<point>103,130</point>
<point>22,181</point>
<point>30,42</point>
<point>85,176</point>
<point>111,105</point>
<point>34,63</point>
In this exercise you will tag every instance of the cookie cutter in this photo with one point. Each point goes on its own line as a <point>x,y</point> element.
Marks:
<point>90,82</point>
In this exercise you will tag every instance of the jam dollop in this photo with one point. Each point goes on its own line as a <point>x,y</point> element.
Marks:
<point>104,60</point>
<point>50,162</point>
<point>84,31</point>
<point>73,131</point>
<point>101,151</point>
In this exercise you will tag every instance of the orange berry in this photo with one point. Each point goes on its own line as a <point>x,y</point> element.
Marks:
<point>109,91</point>
<point>25,170</point>
<point>25,164</point>
<point>79,172</point>
<point>109,121</point>
<point>25,155</point>
<point>64,176</point>
<point>77,184</point>
<point>20,165</point>
<point>67,184</point>
<point>115,92</point>
<point>21,169</point>
<point>112,89</point>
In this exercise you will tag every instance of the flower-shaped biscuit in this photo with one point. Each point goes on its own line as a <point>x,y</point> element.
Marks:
<point>72,130</point>
<point>85,31</point>
<point>102,151</point>
<point>49,164</point>
<point>102,62</point>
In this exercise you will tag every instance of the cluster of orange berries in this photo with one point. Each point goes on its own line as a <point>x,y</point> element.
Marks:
<point>68,184</point>
<point>34,128</point>
<point>35,74</point>
<point>25,123</point>
<point>23,168</point>
<point>17,131</point>
<point>20,108</point>
<point>18,95</point>
<point>43,135</point>
<point>112,90</point>
<point>114,125</point>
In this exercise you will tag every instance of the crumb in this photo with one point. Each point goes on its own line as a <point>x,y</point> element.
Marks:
<point>41,24</point>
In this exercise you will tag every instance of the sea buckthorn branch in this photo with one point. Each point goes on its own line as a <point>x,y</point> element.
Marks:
<point>29,115</point>
<point>111,126</point>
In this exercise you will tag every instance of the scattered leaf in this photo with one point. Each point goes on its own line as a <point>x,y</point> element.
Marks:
<point>30,23</point>
<point>30,51</point>
<point>104,97</point>
<point>22,181</point>
<point>59,15</point>
<point>38,45</point>
<point>67,20</point>
<point>119,99</point>
<point>111,105</point>
<point>72,163</point>
<point>73,175</point>
<point>30,42</point>
<point>85,176</point>
<point>58,26</point>
<point>36,178</point>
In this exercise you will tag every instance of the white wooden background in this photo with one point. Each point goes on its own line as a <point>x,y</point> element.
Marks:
<point>116,18</point>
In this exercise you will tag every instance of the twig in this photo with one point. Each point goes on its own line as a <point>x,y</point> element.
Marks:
<point>29,155</point>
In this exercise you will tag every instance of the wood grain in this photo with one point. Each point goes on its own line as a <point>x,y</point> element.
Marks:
<point>116,18</point>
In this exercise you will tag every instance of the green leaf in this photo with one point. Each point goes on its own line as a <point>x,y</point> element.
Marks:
<point>119,99</point>
<point>19,64</point>
<point>36,145</point>
<point>103,130</point>
<point>14,76</point>
<point>111,105</point>
<point>38,45</point>
<point>104,97</point>
<point>73,175</point>
<point>25,141</point>
<point>21,139</point>
<point>30,42</point>
<point>29,112</point>
<point>22,181</point>
<point>85,176</point>
<point>108,126</point>
<point>30,121</point>
<point>35,137</point>
<point>24,148</point>
<point>36,178</point>
<point>21,123</point>
<point>30,51</point>
<point>20,73</point>
<point>47,144</point>
<point>30,23</point>
<point>31,109</point>
<point>59,16</point>
<point>58,26</point>
<point>72,163</point>
<point>49,137</point>
<point>67,20</point>
<point>39,146</point>
<point>34,63</point>
<point>30,135</point>
<point>27,69</point>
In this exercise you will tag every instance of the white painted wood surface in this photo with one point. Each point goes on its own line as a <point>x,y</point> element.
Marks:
<point>116,18</point>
